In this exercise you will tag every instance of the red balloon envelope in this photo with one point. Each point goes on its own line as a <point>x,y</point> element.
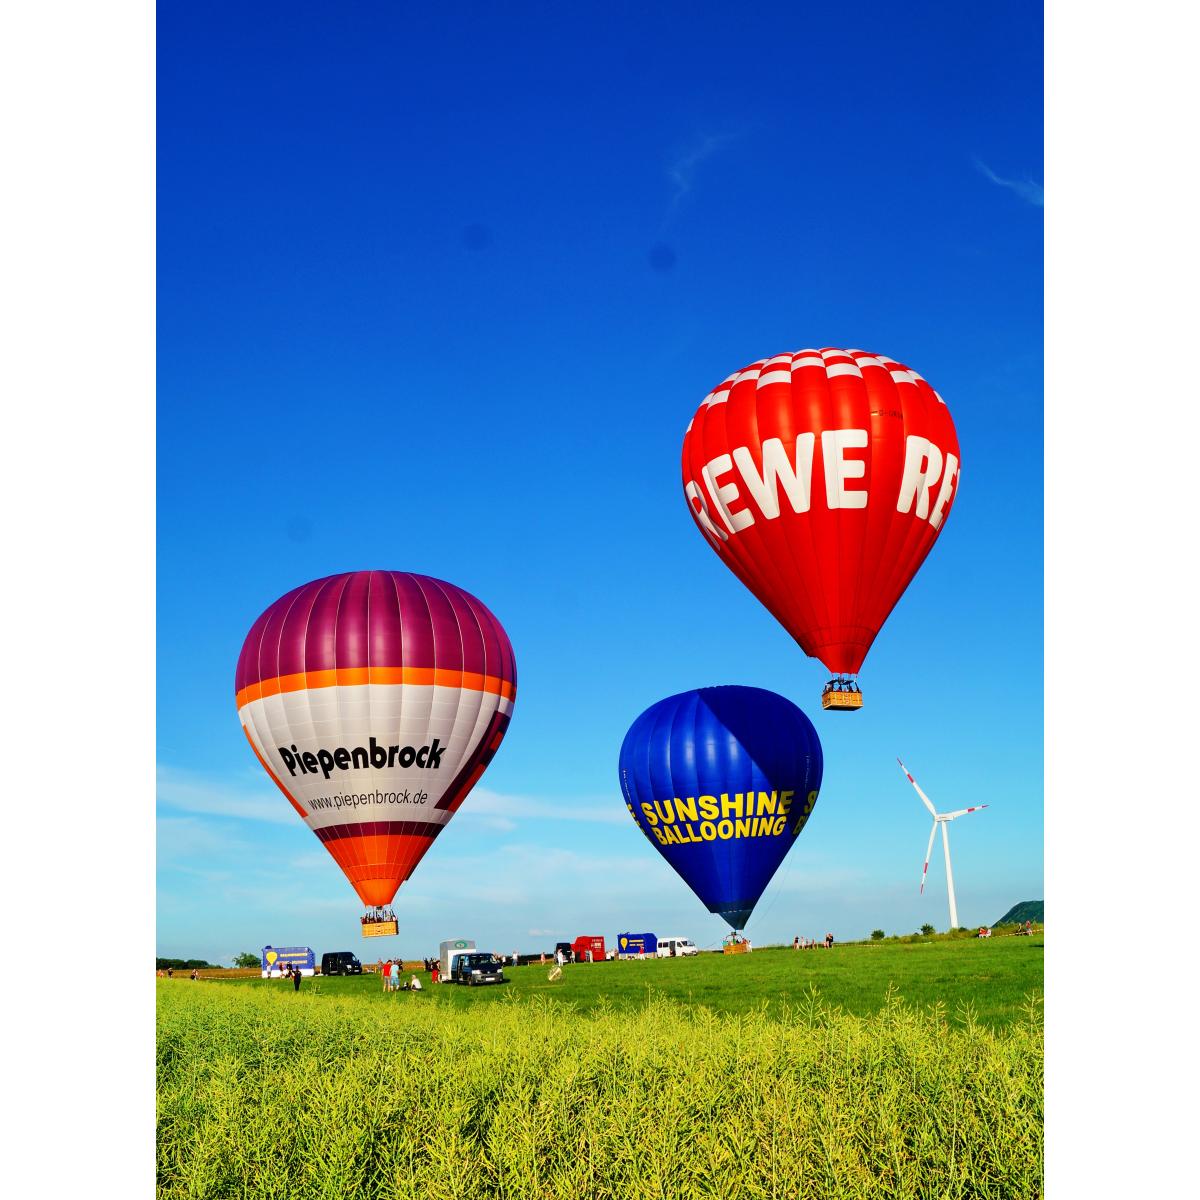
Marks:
<point>822,478</point>
<point>375,700</point>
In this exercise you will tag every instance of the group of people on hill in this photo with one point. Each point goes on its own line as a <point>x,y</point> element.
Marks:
<point>802,943</point>
<point>392,972</point>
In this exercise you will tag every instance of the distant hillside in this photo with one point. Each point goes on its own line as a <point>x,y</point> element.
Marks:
<point>1027,910</point>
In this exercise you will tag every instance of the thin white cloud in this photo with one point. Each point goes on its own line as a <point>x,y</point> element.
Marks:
<point>191,791</point>
<point>1027,189</point>
<point>683,167</point>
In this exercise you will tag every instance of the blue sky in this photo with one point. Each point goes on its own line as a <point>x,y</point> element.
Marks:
<point>443,295</point>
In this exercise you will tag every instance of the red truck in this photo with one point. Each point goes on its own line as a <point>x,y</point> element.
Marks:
<point>581,947</point>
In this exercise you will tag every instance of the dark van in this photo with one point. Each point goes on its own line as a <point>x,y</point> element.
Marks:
<point>340,962</point>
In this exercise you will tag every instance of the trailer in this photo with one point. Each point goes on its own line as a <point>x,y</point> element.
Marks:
<point>588,949</point>
<point>275,959</point>
<point>636,945</point>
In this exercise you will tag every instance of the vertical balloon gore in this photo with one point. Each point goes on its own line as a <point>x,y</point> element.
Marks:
<point>375,700</point>
<point>822,478</point>
<point>722,781</point>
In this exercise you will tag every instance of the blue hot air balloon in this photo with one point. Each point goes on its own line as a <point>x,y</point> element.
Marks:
<point>721,781</point>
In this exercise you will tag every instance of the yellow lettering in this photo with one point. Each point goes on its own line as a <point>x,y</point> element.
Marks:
<point>708,808</point>
<point>762,825</point>
<point>708,831</point>
<point>685,810</point>
<point>648,813</point>
<point>724,830</point>
<point>733,806</point>
<point>658,833</point>
<point>785,803</point>
<point>780,825</point>
<point>766,803</point>
<point>742,828</point>
<point>666,811</point>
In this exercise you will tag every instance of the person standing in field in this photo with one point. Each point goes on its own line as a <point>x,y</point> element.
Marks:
<point>295,979</point>
<point>436,973</point>
<point>385,973</point>
<point>829,941</point>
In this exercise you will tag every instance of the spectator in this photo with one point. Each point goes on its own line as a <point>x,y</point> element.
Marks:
<point>829,941</point>
<point>296,978</point>
<point>414,985</point>
<point>195,974</point>
<point>170,972</point>
<point>796,942</point>
<point>437,973</point>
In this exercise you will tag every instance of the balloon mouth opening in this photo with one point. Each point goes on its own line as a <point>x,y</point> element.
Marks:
<point>735,918</point>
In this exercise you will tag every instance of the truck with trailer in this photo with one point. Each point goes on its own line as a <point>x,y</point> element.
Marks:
<point>636,945</point>
<point>448,951</point>
<point>275,960</point>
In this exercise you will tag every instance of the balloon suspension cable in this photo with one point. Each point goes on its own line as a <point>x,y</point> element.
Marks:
<point>377,913</point>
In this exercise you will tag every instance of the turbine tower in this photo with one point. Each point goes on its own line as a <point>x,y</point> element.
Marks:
<point>942,819</point>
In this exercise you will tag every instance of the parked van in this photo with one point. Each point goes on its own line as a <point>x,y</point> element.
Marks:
<point>676,948</point>
<point>340,962</point>
<point>472,968</point>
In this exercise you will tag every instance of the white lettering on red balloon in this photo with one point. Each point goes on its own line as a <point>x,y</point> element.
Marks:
<point>790,473</point>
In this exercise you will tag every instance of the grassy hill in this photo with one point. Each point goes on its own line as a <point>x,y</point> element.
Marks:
<point>1027,910</point>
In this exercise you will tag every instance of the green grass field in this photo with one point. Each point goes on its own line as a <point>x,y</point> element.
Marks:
<point>711,1077</point>
<point>994,976</point>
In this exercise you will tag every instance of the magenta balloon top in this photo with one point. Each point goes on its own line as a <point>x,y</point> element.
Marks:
<point>376,622</point>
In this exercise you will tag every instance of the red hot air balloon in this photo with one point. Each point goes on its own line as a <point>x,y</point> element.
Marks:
<point>822,478</point>
<point>375,700</point>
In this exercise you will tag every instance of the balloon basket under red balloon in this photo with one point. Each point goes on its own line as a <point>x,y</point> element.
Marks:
<point>380,923</point>
<point>841,695</point>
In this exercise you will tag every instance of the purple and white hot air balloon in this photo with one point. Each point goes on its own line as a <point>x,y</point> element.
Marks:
<point>375,701</point>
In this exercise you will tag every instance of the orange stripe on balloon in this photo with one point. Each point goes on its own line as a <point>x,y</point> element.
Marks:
<point>351,676</point>
<point>266,767</point>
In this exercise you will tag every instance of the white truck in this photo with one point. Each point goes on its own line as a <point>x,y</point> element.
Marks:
<point>676,947</point>
<point>448,952</point>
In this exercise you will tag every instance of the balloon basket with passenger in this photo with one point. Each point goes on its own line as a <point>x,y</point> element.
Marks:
<point>735,943</point>
<point>379,922</point>
<point>841,694</point>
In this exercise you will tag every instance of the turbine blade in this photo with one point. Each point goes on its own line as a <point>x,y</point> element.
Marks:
<point>924,798</point>
<point>928,853</point>
<point>962,812</point>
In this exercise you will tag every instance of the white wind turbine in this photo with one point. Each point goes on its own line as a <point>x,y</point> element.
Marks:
<point>942,819</point>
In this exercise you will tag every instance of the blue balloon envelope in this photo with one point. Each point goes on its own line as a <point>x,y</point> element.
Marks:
<point>721,781</point>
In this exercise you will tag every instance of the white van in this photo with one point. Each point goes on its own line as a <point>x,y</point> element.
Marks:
<point>676,948</point>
